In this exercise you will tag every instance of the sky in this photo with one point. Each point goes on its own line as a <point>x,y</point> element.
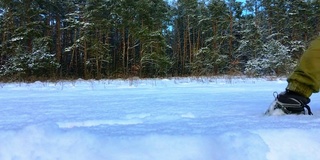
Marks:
<point>203,118</point>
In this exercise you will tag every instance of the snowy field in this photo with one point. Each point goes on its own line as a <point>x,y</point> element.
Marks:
<point>154,119</point>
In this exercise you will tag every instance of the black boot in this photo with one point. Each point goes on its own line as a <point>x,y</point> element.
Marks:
<point>289,102</point>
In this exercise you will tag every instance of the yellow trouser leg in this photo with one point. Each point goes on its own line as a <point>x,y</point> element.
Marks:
<point>306,77</point>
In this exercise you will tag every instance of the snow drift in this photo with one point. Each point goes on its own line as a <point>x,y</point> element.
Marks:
<point>153,119</point>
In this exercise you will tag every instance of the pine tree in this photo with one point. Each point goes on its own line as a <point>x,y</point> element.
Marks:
<point>98,15</point>
<point>26,47</point>
<point>217,41</point>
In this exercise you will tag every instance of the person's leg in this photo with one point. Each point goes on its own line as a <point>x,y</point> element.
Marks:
<point>305,79</point>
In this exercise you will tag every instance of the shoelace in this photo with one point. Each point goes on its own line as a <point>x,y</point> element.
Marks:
<point>275,95</point>
<point>309,109</point>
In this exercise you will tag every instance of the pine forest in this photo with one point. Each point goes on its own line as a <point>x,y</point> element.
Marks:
<point>96,39</point>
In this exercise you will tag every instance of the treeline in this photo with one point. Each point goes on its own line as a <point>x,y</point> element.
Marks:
<point>58,39</point>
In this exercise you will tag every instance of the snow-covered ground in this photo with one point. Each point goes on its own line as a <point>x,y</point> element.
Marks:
<point>154,119</point>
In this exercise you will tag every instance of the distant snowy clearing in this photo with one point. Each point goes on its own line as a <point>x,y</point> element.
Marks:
<point>153,119</point>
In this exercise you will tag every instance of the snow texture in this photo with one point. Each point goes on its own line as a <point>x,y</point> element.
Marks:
<point>153,119</point>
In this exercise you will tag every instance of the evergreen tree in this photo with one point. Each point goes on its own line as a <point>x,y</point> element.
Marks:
<point>21,40</point>
<point>185,26</point>
<point>217,39</point>
<point>151,38</point>
<point>98,16</point>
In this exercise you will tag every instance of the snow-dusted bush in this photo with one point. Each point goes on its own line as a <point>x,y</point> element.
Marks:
<point>274,59</point>
<point>207,62</point>
<point>39,63</point>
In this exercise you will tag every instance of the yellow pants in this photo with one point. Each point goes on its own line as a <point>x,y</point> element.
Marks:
<point>306,77</point>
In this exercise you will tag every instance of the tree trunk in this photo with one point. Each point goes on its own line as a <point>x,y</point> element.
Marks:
<point>71,64</point>
<point>58,31</point>
<point>28,21</point>
<point>231,35</point>
<point>215,44</point>
<point>85,58</point>
<point>128,54</point>
<point>189,41</point>
<point>123,50</point>
<point>185,43</point>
